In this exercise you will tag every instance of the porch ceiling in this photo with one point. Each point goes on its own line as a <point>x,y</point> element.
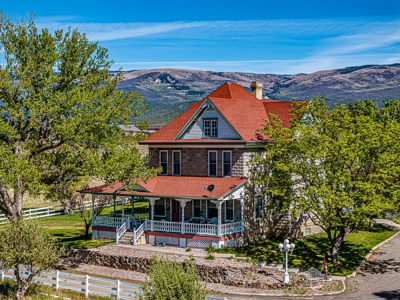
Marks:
<point>173,187</point>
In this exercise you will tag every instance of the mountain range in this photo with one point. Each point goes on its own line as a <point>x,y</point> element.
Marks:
<point>169,92</point>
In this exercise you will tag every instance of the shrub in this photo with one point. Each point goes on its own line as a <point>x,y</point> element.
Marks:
<point>170,281</point>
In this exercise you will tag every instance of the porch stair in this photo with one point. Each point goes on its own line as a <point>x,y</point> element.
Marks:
<point>126,239</point>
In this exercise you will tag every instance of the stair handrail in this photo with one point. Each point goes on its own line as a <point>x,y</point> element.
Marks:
<point>137,233</point>
<point>120,231</point>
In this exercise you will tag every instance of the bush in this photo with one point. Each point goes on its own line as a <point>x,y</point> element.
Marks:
<point>169,281</point>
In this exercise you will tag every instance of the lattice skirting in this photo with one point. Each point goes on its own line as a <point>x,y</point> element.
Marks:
<point>108,235</point>
<point>173,241</point>
<point>197,243</point>
<point>235,242</point>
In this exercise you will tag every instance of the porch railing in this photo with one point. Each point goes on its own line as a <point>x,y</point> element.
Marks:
<point>167,226</point>
<point>109,221</point>
<point>232,228</point>
<point>201,229</point>
<point>121,230</point>
<point>137,233</point>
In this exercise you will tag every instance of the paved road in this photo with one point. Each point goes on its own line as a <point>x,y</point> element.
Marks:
<point>378,279</point>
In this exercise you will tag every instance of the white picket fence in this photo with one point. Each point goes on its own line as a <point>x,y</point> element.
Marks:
<point>45,212</point>
<point>82,283</point>
<point>85,284</point>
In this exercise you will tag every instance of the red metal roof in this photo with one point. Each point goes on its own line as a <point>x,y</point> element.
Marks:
<point>175,186</point>
<point>241,109</point>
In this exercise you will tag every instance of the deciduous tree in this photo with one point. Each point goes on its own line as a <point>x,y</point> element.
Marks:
<point>25,245</point>
<point>342,163</point>
<point>59,115</point>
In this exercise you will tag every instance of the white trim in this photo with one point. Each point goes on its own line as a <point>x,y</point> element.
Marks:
<point>159,161</point>
<point>173,162</point>
<point>165,208</point>
<point>233,210</point>
<point>216,163</point>
<point>230,162</point>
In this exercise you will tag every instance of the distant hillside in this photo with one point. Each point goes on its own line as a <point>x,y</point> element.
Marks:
<point>169,92</point>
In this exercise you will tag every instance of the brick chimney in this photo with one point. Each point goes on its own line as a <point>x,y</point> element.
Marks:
<point>256,89</point>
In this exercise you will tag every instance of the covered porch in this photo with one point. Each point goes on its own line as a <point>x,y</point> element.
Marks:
<point>212,215</point>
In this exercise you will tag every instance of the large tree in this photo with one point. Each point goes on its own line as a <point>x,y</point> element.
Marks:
<point>342,163</point>
<point>59,114</point>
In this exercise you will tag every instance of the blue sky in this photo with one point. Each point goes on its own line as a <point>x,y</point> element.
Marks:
<point>277,37</point>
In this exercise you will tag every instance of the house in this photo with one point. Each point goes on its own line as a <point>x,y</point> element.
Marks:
<point>202,195</point>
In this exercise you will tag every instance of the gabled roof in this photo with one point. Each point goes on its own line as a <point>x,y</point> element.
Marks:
<point>174,187</point>
<point>240,108</point>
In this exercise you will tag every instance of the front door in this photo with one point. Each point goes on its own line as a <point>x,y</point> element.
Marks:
<point>175,210</point>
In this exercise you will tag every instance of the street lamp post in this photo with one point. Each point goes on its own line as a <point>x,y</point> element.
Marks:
<point>286,247</point>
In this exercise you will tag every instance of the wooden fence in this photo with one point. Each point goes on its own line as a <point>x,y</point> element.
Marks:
<point>44,212</point>
<point>85,284</point>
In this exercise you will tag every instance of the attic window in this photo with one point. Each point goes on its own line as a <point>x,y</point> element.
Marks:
<point>210,127</point>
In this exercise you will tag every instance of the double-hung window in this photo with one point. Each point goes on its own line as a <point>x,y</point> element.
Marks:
<point>176,162</point>
<point>226,163</point>
<point>210,127</point>
<point>164,162</point>
<point>229,210</point>
<point>212,163</point>
<point>259,206</point>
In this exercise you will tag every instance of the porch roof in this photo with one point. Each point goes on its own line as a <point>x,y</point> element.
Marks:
<point>173,187</point>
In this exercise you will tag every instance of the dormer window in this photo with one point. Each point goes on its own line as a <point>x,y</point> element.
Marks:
<point>210,127</point>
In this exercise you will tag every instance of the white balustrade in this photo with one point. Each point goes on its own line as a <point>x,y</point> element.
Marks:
<point>121,230</point>
<point>231,228</point>
<point>201,229</point>
<point>166,226</point>
<point>109,221</point>
<point>137,233</point>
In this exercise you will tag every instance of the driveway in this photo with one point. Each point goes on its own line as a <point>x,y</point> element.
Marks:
<point>378,279</point>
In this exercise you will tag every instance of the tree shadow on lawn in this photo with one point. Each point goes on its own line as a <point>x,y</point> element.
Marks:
<point>307,253</point>
<point>79,241</point>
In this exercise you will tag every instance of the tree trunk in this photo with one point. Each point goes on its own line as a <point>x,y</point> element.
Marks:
<point>335,243</point>
<point>87,227</point>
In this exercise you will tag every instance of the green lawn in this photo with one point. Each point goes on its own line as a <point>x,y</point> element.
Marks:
<point>69,230</point>
<point>308,251</point>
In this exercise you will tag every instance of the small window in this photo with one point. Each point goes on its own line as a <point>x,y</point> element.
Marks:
<point>176,161</point>
<point>259,207</point>
<point>210,127</point>
<point>308,231</point>
<point>212,211</point>
<point>212,163</point>
<point>196,208</point>
<point>226,163</point>
<point>159,208</point>
<point>229,210</point>
<point>164,162</point>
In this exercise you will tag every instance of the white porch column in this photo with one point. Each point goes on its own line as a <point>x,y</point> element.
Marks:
<point>152,202</point>
<point>242,213</point>
<point>218,204</point>
<point>123,200</point>
<point>183,205</point>
<point>93,200</point>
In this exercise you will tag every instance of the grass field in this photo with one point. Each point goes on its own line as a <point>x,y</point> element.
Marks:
<point>39,292</point>
<point>308,250</point>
